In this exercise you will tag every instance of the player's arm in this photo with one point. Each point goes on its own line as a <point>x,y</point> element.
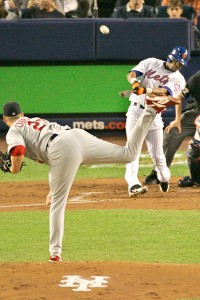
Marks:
<point>177,121</point>
<point>160,92</point>
<point>17,158</point>
<point>132,78</point>
<point>16,163</point>
<point>164,92</point>
<point>137,89</point>
<point>178,111</point>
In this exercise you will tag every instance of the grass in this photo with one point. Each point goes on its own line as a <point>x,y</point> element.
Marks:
<point>105,235</point>
<point>36,172</point>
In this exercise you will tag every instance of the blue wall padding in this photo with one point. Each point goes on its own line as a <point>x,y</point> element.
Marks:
<point>136,39</point>
<point>81,39</point>
<point>47,40</point>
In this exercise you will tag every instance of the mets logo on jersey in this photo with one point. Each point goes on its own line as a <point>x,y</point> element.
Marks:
<point>177,87</point>
<point>197,121</point>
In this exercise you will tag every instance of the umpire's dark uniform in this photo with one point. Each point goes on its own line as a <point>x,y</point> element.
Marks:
<point>173,139</point>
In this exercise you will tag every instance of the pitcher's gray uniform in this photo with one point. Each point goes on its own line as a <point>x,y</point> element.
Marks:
<point>64,151</point>
<point>153,75</point>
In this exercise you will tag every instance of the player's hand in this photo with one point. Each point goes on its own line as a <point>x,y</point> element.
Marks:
<point>136,89</point>
<point>173,124</point>
<point>135,86</point>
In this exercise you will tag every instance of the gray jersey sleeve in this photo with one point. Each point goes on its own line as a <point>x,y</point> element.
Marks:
<point>14,138</point>
<point>34,134</point>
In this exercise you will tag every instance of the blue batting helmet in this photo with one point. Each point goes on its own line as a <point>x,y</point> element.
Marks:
<point>180,54</point>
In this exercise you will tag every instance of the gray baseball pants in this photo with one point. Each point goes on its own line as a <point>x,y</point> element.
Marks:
<point>77,147</point>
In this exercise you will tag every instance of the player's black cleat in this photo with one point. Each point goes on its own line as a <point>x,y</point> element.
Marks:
<point>164,186</point>
<point>186,181</point>
<point>152,178</point>
<point>137,189</point>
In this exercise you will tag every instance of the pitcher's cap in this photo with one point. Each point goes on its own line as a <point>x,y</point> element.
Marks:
<point>11,109</point>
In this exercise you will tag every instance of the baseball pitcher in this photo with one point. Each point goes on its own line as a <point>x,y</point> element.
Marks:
<point>64,150</point>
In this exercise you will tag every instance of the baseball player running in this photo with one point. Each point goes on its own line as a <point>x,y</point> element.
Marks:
<point>164,78</point>
<point>64,150</point>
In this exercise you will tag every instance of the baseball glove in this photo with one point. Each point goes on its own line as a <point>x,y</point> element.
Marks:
<point>5,162</point>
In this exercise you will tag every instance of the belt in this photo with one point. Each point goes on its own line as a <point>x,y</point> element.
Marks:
<point>139,105</point>
<point>51,139</point>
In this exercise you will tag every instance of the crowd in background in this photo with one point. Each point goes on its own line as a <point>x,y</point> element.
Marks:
<point>13,9</point>
<point>32,9</point>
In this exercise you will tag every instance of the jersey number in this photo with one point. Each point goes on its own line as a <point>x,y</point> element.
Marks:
<point>36,125</point>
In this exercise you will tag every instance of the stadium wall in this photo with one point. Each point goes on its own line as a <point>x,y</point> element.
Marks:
<point>69,71</point>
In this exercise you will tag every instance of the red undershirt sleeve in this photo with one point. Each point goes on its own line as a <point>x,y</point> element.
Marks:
<point>18,150</point>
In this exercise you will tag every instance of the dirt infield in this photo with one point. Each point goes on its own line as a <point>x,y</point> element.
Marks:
<point>123,280</point>
<point>127,281</point>
<point>106,193</point>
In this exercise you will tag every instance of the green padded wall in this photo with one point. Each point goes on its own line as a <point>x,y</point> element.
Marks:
<point>65,89</point>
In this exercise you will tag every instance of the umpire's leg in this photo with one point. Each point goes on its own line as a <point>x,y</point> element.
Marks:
<point>173,139</point>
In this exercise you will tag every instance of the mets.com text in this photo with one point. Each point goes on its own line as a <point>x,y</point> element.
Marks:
<point>99,125</point>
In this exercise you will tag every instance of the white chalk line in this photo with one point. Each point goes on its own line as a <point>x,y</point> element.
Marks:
<point>21,205</point>
<point>79,198</point>
<point>74,200</point>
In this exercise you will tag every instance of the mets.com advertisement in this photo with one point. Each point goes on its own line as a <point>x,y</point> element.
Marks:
<point>88,124</point>
<point>99,124</point>
<point>111,124</point>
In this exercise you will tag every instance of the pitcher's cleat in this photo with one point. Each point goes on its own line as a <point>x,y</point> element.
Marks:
<point>54,258</point>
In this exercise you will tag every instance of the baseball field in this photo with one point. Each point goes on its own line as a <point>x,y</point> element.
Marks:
<point>115,247</point>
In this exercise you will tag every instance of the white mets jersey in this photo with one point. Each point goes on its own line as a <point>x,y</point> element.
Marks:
<point>155,75</point>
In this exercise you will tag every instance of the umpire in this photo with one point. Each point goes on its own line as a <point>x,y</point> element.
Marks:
<point>176,132</point>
